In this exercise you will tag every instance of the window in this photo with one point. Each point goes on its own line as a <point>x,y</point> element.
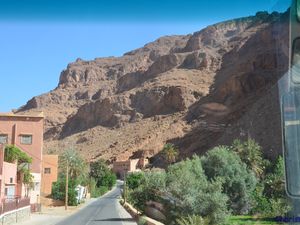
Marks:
<point>47,170</point>
<point>3,138</point>
<point>11,180</point>
<point>10,191</point>
<point>26,139</point>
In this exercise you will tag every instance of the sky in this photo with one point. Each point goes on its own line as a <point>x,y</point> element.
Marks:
<point>39,38</point>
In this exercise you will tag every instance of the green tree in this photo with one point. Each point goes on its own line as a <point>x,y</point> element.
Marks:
<point>78,168</point>
<point>170,153</point>
<point>250,153</point>
<point>150,187</point>
<point>184,190</point>
<point>59,190</point>
<point>102,174</point>
<point>275,180</point>
<point>274,190</point>
<point>194,194</point>
<point>133,180</point>
<point>238,181</point>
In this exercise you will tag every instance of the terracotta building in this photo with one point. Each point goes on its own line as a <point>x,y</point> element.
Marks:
<point>26,133</point>
<point>49,168</point>
<point>122,167</point>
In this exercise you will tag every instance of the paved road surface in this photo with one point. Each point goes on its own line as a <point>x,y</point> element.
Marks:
<point>104,211</point>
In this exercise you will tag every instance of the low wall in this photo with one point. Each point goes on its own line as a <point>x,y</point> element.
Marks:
<point>15,216</point>
<point>135,214</point>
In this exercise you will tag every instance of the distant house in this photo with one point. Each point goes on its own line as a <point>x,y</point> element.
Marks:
<point>26,133</point>
<point>122,167</point>
<point>49,175</point>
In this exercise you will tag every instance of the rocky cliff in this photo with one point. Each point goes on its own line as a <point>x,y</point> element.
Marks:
<point>197,91</point>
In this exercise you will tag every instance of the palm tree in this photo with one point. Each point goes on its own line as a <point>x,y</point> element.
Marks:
<point>170,153</point>
<point>77,166</point>
<point>250,153</point>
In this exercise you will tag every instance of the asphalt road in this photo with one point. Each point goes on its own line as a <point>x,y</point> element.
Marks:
<point>104,211</point>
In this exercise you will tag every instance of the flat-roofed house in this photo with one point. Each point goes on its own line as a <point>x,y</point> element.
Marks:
<point>24,131</point>
<point>49,169</point>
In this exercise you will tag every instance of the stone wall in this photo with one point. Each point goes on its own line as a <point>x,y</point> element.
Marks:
<point>15,216</point>
<point>136,215</point>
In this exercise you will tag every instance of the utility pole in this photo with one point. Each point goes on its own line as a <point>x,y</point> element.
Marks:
<point>125,187</point>
<point>67,185</point>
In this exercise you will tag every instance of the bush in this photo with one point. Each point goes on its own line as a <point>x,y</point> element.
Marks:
<point>97,191</point>
<point>183,189</point>
<point>108,180</point>
<point>13,153</point>
<point>133,180</point>
<point>59,190</point>
<point>192,220</point>
<point>194,194</point>
<point>238,181</point>
<point>260,203</point>
<point>101,173</point>
<point>269,197</point>
<point>103,190</point>
<point>150,186</point>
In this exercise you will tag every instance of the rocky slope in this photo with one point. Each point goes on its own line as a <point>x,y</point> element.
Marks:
<point>197,91</point>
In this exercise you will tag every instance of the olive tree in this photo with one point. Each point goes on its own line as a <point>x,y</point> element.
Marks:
<point>238,182</point>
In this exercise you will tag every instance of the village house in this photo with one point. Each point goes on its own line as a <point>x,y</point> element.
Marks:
<point>135,163</point>
<point>26,133</point>
<point>49,169</point>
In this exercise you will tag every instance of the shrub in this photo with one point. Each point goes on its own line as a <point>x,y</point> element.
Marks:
<point>133,180</point>
<point>192,220</point>
<point>275,180</point>
<point>269,197</point>
<point>101,173</point>
<point>13,153</point>
<point>103,190</point>
<point>260,203</point>
<point>59,190</point>
<point>194,194</point>
<point>151,184</point>
<point>238,181</point>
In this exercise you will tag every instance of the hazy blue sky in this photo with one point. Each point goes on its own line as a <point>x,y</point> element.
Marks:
<point>39,38</point>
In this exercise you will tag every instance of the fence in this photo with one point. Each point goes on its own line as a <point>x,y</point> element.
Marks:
<point>11,204</point>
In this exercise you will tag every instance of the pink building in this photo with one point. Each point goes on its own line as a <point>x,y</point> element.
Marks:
<point>8,177</point>
<point>26,133</point>
<point>126,166</point>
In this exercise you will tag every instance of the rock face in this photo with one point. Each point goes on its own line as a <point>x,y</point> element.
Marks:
<point>197,91</point>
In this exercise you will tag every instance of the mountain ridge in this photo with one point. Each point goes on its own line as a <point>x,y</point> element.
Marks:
<point>181,88</point>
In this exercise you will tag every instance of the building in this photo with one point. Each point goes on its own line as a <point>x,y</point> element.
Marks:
<point>122,167</point>
<point>26,133</point>
<point>49,168</point>
<point>8,177</point>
